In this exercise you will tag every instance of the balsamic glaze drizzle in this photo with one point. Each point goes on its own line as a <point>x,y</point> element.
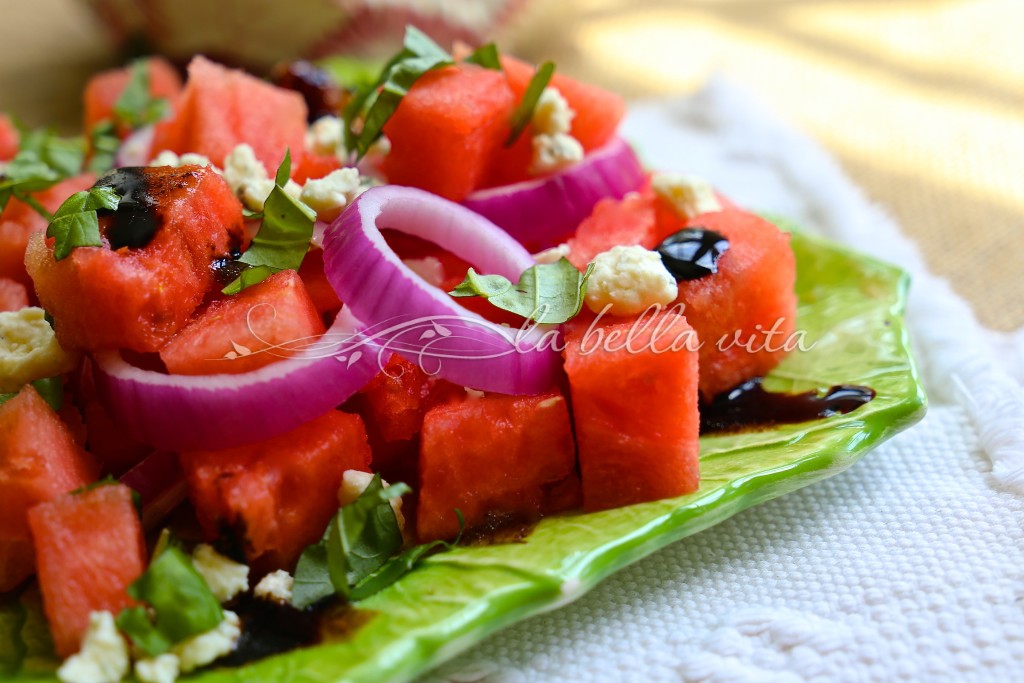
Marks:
<point>135,221</point>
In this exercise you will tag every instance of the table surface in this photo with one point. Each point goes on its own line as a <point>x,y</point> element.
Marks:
<point>921,101</point>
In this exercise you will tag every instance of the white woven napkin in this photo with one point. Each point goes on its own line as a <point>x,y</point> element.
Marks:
<point>908,566</point>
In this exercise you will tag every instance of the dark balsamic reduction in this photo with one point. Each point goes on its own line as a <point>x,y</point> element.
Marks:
<point>135,221</point>
<point>322,95</point>
<point>692,253</point>
<point>750,406</point>
<point>270,628</point>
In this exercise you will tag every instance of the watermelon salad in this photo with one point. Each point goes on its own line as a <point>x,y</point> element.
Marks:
<point>268,344</point>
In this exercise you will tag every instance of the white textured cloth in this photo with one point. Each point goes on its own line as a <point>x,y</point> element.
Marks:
<point>908,566</point>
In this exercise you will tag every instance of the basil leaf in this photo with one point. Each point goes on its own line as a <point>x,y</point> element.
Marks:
<point>135,106</point>
<point>418,55</point>
<point>283,238</point>
<point>183,604</point>
<point>524,112</point>
<point>545,293</point>
<point>103,145</point>
<point>312,575</point>
<point>51,389</point>
<point>351,72</point>
<point>486,56</point>
<point>42,161</point>
<point>64,156</point>
<point>400,565</point>
<point>76,223</point>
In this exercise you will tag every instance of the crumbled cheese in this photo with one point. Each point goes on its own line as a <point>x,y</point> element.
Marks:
<point>473,394</point>
<point>629,280</point>
<point>554,152</point>
<point>429,268</point>
<point>554,254</point>
<point>225,577</point>
<point>552,115</point>
<point>241,167</point>
<point>325,136</point>
<point>160,669</point>
<point>688,196</point>
<point>354,482</point>
<point>275,586</point>
<point>103,657</point>
<point>332,193</point>
<point>169,158</point>
<point>208,647</point>
<point>29,349</point>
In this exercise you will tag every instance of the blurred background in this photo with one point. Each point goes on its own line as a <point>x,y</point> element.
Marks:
<point>922,101</point>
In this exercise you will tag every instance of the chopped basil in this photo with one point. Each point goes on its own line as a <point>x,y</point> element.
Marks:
<point>351,72</point>
<point>379,101</point>
<point>103,143</point>
<point>545,293</point>
<point>51,389</point>
<point>486,56</point>
<point>76,223</point>
<point>357,555</point>
<point>283,237</point>
<point>182,604</point>
<point>135,106</point>
<point>43,160</point>
<point>524,112</point>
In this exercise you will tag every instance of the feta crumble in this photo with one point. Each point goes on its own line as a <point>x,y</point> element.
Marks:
<point>103,657</point>
<point>688,195</point>
<point>225,577</point>
<point>29,349</point>
<point>325,135</point>
<point>169,158</point>
<point>354,482</point>
<point>332,193</point>
<point>628,280</point>
<point>275,586</point>
<point>160,669</point>
<point>208,647</point>
<point>554,254</point>
<point>554,152</point>
<point>552,115</point>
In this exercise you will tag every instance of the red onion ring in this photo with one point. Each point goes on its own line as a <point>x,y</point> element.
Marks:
<point>136,149</point>
<point>545,212</point>
<point>425,325</point>
<point>210,412</point>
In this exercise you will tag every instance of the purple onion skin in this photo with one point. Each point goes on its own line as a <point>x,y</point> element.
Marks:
<point>545,212</point>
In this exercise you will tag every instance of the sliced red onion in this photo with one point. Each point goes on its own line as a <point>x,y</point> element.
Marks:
<point>545,212</point>
<point>136,149</point>
<point>160,483</point>
<point>423,324</point>
<point>209,412</point>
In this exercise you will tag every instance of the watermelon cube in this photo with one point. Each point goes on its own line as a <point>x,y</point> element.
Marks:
<point>89,549</point>
<point>262,324</point>
<point>40,461</point>
<point>105,88</point>
<point>221,108</point>
<point>634,397</point>
<point>495,459</point>
<point>13,295</point>
<point>446,130</point>
<point>276,496</point>
<point>138,297</point>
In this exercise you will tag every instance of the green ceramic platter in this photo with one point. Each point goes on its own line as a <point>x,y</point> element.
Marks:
<point>851,307</point>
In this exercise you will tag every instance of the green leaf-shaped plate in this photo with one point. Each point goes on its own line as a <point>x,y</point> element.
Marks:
<point>851,307</point>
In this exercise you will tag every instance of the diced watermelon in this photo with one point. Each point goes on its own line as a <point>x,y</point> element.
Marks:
<point>746,312</point>
<point>492,458</point>
<point>13,295</point>
<point>634,408</point>
<point>446,130</point>
<point>221,108</point>
<point>9,138</point>
<point>89,549</point>
<point>320,290</point>
<point>598,111</point>
<point>753,286</point>
<point>262,324</point>
<point>309,166</point>
<point>137,298</point>
<point>19,221</point>
<point>40,461</point>
<point>103,90</point>
<point>277,496</point>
